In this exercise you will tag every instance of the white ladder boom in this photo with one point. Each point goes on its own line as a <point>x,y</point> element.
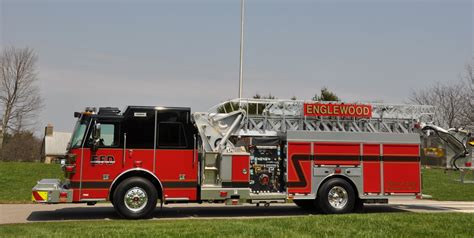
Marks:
<point>270,117</point>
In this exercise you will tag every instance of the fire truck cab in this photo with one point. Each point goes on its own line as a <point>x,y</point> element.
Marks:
<point>113,154</point>
<point>147,155</point>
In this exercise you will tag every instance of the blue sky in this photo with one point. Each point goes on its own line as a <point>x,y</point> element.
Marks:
<point>186,53</point>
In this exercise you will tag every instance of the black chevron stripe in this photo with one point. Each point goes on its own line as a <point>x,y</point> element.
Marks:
<point>296,159</point>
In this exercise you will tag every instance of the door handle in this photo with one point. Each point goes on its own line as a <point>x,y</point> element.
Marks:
<point>124,148</point>
<point>194,150</point>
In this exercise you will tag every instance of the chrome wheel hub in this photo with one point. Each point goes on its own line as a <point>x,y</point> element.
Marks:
<point>135,199</point>
<point>338,197</point>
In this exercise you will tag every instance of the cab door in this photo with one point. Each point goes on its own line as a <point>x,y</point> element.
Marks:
<point>102,160</point>
<point>176,158</point>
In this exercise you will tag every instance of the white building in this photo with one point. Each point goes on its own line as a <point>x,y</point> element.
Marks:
<point>54,144</point>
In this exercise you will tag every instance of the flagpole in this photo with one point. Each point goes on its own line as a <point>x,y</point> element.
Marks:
<point>242,8</point>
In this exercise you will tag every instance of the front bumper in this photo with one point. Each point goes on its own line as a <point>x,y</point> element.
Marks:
<point>51,191</point>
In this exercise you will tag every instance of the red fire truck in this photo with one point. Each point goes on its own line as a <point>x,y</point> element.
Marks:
<point>328,156</point>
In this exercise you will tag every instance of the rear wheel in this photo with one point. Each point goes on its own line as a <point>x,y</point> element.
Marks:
<point>135,198</point>
<point>336,196</point>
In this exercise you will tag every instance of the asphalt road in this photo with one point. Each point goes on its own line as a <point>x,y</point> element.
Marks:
<point>23,213</point>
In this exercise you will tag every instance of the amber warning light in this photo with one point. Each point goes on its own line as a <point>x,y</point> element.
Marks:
<point>338,110</point>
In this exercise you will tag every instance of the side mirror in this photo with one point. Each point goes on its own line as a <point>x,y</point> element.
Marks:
<point>96,136</point>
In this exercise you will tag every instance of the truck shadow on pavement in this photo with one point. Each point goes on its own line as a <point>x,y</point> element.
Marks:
<point>183,212</point>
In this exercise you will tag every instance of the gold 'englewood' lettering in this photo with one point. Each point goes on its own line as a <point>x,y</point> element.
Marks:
<point>340,110</point>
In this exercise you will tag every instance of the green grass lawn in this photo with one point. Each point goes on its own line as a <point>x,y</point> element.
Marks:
<point>443,185</point>
<point>358,225</point>
<point>17,179</point>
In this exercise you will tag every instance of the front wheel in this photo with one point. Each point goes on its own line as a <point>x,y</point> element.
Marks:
<point>135,198</point>
<point>336,196</point>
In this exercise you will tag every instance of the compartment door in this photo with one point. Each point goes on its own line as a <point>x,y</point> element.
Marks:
<point>240,171</point>
<point>371,168</point>
<point>401,168</point>
<point>299,167</point>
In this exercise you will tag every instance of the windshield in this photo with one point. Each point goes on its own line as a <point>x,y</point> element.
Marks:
<point>78,134</point>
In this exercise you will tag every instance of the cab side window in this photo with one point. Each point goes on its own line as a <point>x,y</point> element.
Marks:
<point>109,135</point>
<point>140,129</point>
<point>171,135</point>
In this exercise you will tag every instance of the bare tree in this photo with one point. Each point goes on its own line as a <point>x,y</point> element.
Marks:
<point>20,99</point>
<point>468,112</point>
<point>453,101</point>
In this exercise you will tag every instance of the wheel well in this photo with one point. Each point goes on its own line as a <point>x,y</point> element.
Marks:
<point>342,177</point>
<point>137,173</point>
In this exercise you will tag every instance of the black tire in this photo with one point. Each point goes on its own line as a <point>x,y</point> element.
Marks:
<point>135,187</point>
<point>305,204</point>
<point>345,192</point>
